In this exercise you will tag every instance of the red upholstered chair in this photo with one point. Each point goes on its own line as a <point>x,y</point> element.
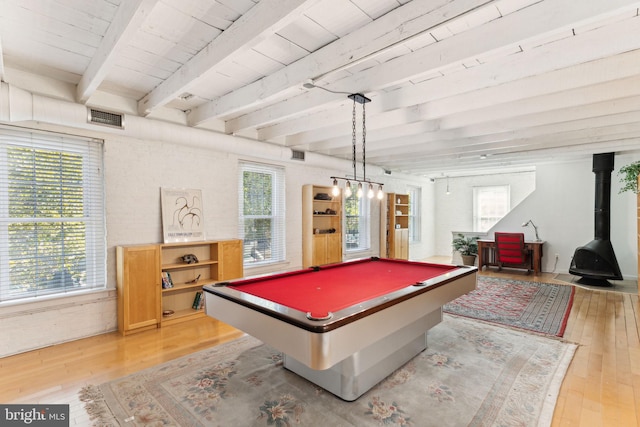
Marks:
<point>511,252</point>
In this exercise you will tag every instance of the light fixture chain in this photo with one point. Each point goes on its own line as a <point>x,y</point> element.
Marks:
<point>353,139</point>
<point>364,140</point>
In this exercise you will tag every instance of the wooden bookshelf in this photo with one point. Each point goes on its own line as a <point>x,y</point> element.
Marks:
<point>321,226</point>
<point>395,236</point>
<point>144,302</point>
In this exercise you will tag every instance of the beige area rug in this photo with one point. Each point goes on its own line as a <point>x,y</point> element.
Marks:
<point>472,374</point>
<point>624,286</point>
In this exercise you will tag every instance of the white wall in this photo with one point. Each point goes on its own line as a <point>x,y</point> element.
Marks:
<point>562,207</point>
<point>454,212</point>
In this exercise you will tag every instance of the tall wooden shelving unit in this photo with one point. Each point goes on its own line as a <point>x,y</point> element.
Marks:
<point>144,303</point>
<point>395,236</point>
<point>321,226</point>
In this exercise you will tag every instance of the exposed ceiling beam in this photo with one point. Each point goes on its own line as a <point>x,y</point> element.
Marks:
<point>576,49</point>
<point>607,103</point>
<point>258,23</point>
<point>609,91</point>
<point>445,142</point>
<point>603,114</point>
<point>401,24</point>
<point>580,76</point>
<point>128,19</point>
<point>494,152</point>
<point>498,160</point>
<point>533,22</point>
<point>511,30</point>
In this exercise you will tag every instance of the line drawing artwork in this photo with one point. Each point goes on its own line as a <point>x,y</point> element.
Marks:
<point>187,212</point>
<point>182,215</point>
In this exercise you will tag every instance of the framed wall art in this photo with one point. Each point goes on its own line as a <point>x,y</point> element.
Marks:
<point>182,215</point>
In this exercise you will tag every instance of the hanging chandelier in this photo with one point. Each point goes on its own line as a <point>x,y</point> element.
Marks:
<point>362,184</point>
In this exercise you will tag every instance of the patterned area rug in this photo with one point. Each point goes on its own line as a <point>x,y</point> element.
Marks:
<point>472,373</point>
<point>538,307</point>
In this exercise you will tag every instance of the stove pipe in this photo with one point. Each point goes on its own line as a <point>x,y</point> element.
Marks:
<point>596,260</point>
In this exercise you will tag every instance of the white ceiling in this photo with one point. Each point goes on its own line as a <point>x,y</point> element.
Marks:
<point>454,84</point>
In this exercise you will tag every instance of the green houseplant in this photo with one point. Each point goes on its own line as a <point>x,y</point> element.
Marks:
<point>467,247</point>
<point>629,177</point>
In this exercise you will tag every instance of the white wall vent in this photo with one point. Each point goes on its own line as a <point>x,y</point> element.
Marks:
<point>297,155</point>
<point>105,118</point>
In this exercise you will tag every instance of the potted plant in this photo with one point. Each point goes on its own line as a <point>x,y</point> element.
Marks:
<point>467,247</point>
<point>629,177</point>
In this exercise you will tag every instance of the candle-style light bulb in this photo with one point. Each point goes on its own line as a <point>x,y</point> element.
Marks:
<point>336,190</point>
<point>370,191</point>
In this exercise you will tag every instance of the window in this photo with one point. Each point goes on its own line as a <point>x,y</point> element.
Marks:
<point>356,212</point>
<point>490,205</point>
<point>52,226</point>
<point>415,216</point>
<point>262,213</point>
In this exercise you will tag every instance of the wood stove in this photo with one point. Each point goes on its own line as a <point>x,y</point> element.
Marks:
<point>596,261</point>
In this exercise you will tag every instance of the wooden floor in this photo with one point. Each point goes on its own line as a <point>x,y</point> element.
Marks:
<point>56,374</point>
<point>602,386</point>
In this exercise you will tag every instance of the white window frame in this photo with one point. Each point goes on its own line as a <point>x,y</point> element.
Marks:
<point>253,255</point>
<point>481,196</point>
<point>73,273</point>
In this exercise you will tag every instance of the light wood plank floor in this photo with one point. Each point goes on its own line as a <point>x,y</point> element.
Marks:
<point>602,386</point>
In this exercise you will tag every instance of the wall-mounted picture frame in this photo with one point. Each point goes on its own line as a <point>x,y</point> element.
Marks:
<point>182,215</point>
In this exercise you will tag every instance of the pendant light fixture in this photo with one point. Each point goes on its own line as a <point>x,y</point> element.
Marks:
<point>358,99</point>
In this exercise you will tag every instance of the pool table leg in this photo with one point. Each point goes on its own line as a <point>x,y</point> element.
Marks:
<point>355,375</point>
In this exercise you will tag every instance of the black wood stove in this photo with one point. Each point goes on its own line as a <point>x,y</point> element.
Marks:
<point>596,262</point>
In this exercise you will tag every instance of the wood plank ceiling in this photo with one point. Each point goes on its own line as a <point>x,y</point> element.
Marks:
<point>455,84</point>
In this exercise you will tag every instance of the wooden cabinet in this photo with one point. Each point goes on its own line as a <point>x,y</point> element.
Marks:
<point>139,286</point>
<point>321,226</point>
<point>401,244</point>
<point>327,249</point>
<point>395,236</point>
<point>230,260</point>
<point>144,301</point>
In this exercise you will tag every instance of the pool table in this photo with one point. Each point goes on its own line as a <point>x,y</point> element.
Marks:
<point>343,326</point>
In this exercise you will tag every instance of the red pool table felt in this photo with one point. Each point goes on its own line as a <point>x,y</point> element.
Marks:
<point>335,287</point>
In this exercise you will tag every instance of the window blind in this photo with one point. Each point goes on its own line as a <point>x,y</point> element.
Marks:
<point>52,225</point>
<point>262,213</point>
<point>415,214</point>
<point>357,220</point>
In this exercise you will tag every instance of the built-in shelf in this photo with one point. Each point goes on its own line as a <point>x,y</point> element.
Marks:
<point>395,233</point>
<point>321,226</point>
<point>145,301</point>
